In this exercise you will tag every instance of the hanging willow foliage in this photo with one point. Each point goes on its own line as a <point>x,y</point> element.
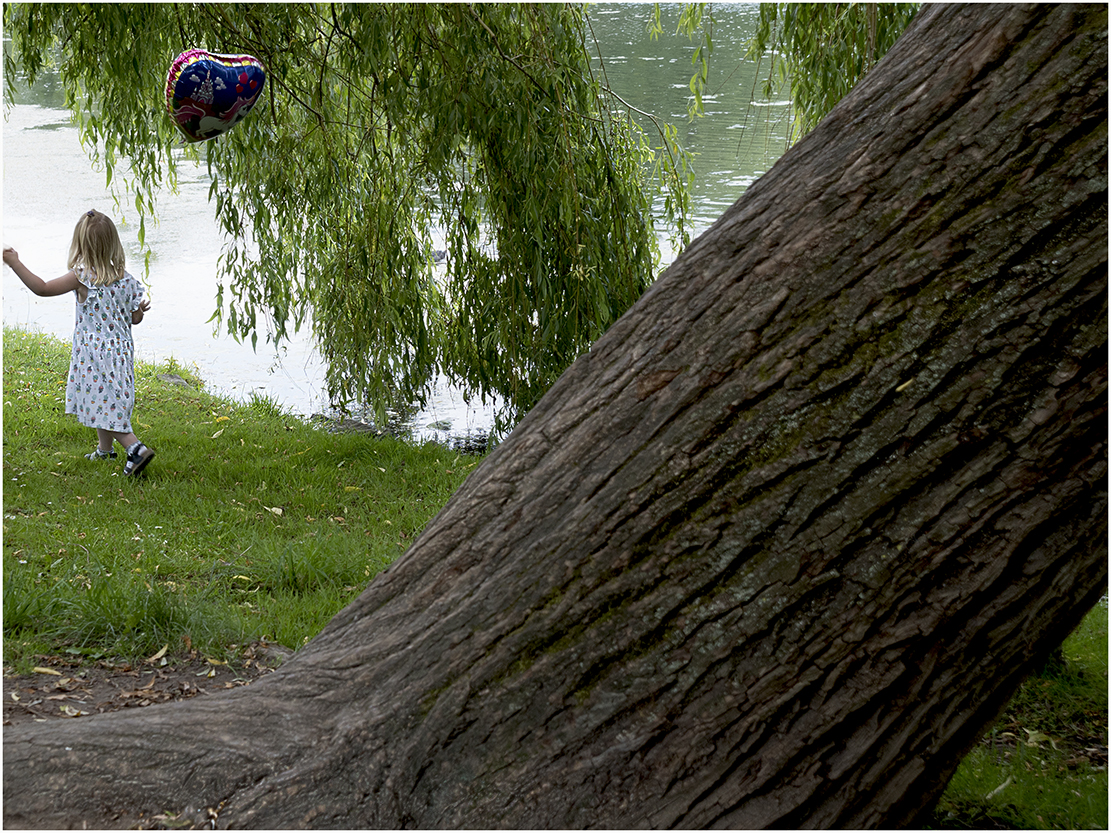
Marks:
<point>818,51</point>
<point>381,123</point>
<point>821,50</point>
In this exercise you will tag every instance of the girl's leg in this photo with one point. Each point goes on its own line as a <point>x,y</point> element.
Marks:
<point>103,446</point>
<point>105,438</point>
<point>138,454</point>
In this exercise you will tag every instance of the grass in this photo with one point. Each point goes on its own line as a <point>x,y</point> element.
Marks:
<point>251,524</point>
<point>1044,763</point>
<point>248,524</point>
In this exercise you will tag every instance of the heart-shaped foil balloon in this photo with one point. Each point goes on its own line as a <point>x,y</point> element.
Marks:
<point>207,94</point>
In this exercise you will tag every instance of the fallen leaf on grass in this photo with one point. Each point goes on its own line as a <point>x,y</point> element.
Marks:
<point>999,789</point>
<point>277,510</point>
<point>160,654</point>
<point>38,669</point>
<point>218,433</point>
<point>1034,737</point>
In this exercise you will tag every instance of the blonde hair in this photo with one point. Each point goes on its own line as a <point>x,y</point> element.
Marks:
<point>96,248</point>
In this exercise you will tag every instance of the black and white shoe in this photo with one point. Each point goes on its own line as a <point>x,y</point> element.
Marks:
<point>137,458</point>
<point>97,454</point>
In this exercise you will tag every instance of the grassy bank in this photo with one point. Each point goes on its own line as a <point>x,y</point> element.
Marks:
<point>1044,763</point>
<point>249,524</point>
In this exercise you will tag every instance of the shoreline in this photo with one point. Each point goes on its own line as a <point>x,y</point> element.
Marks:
<point>175,371</point>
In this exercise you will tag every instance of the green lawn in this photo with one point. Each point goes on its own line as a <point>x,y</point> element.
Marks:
<point>1044,763</point>
<point>247,524</point>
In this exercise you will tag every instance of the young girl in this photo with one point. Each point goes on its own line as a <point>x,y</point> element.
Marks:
<point>101,386</point>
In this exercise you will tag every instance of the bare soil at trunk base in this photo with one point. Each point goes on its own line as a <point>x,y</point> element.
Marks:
<point>70,687</point>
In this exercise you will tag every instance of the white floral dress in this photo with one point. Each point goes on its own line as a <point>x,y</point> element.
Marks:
<point>101,386</point>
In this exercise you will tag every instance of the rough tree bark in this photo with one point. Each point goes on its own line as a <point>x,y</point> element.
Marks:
<point>773,553</point>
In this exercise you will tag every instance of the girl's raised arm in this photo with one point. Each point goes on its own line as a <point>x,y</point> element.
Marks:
<point>59,286</point>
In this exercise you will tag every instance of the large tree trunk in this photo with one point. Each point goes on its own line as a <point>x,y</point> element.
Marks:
<point>773,553</point>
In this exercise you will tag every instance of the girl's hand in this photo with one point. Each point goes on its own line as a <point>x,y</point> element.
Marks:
<point>137,315</point>
<point>11,256</point>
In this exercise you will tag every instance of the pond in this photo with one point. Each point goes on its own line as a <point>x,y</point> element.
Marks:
<point>49,182</point>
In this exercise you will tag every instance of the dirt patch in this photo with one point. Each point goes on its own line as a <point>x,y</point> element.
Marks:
<point>67,688</point>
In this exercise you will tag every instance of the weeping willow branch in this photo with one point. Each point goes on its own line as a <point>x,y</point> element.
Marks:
<point>821,50</point>
<point>394,120</point>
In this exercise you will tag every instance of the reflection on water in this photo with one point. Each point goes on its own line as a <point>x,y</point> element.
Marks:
<point>739,136</point>
<point>49,183</point>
